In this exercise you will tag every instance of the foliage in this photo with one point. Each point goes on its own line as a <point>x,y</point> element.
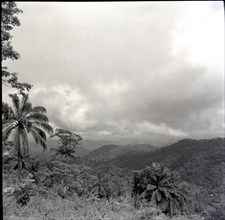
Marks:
<point>9,20</point>
<point>215,214</point>
<point>24,190</point>
<point>67,186</point>
<point>19,193</point>
<point>157,185</point>
<point>68,142</point>
<point>66,137</point>
<point>23,160</point>
<point>111,152</point>
<point>10,157</point>
<point>68,194</point>
<point>26,119</point>
<point>7,151</point>
<point>64,151</point>
<point>200,163</point>
<point>82,208</point>
<point>100,187</point>
<point>22,196</point>
<point>6,111</point>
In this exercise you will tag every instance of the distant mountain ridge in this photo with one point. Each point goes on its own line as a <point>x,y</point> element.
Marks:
<point>175,154</point>
<point>109,152</point>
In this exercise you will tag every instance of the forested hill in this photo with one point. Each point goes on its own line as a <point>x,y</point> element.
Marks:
<point>109,152</point>
<point>201,162</point>
<point>178,154</point>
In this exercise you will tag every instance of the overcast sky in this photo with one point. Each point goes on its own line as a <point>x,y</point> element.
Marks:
<point>145,71</point>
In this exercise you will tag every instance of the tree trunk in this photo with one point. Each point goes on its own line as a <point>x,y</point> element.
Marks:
<point>19,153</point>
<point>19,164</point>
<point>136,199</point>
<point>171,208</point>
<point>157,205</point>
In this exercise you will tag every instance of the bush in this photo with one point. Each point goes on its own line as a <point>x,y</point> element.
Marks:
<point>161,188</point>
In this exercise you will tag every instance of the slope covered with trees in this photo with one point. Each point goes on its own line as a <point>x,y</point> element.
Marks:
<point>109,152</point>
<point>197,160</point>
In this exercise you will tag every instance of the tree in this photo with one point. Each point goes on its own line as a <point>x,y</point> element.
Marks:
<point>156,184</point>
<point>68,142</point>
<point>100,187</point>
<point>24,119</point>
<point>9,20</point>
<point>64,151</point>
<point>6,111</point>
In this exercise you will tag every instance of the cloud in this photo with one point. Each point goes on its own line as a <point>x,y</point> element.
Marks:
<point>160,129</point>
<point>67,107</point>
<point>147,71</point>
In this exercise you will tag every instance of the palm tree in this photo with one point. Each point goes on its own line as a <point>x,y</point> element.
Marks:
<point>161,187</point>
<point>24,119</point>
<point>100,187</point>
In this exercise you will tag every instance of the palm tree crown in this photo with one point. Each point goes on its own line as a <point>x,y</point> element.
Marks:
<point>22,119</point>
<point>100,187</point>
<point>161,187</point>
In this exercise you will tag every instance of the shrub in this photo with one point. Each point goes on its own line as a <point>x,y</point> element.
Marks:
<point>161,188</point>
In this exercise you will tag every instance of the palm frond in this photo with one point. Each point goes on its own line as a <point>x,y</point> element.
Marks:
<point>7,132</point>
<point>16,103</point>
<point>38,139</point>
<point>27,108</point>
<point>44,126</point>
<point>28,125</point>
<point>35,136</point>
<point>40,132</point>
<point>39,109</point>
<point>7,111</point>
<point>6,123</point>
<point>24,101</point>
<point>43,144</point>
<point>37,116</point>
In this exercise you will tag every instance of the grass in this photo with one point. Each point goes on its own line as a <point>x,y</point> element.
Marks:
<point>81,208</point>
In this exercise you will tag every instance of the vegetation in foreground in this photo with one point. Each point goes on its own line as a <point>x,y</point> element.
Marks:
<point>63,187</point>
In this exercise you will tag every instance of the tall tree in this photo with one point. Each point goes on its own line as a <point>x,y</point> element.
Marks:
<point>68,142</point>
<point>100,188</point>
<point>9,20</point>
<point>24,119</point>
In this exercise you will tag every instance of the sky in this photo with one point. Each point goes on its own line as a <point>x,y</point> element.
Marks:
<point>150,72</point>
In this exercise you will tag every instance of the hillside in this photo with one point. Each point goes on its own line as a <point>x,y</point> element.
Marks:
<point>109,152</point>
<point>200,162</point>
<point>176,155</point>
